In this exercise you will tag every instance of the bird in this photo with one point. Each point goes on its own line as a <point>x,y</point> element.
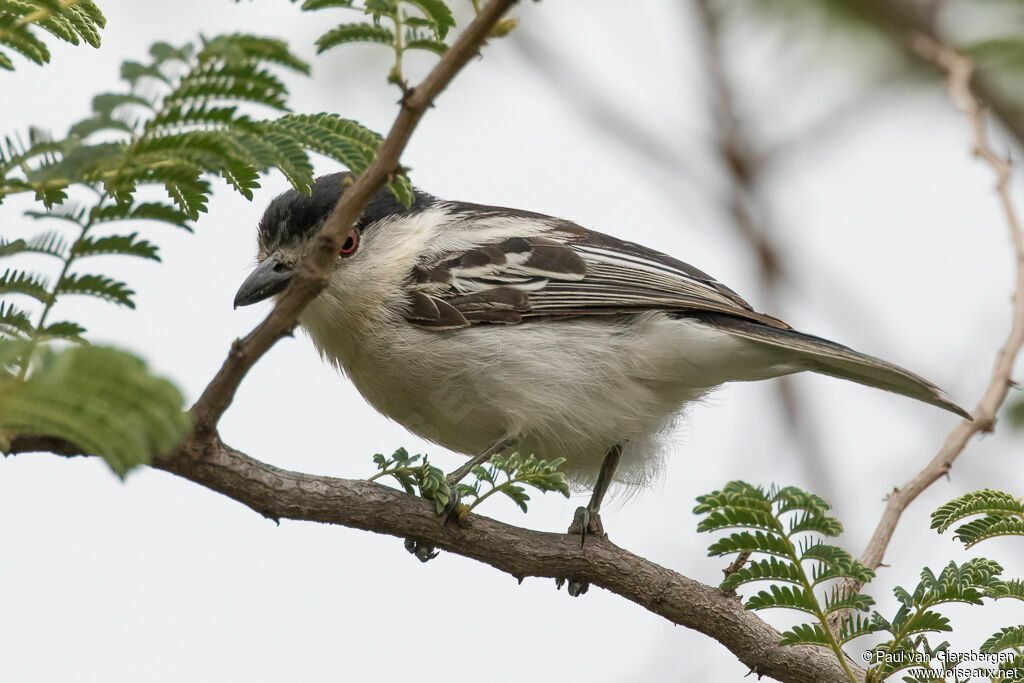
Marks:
<point>487,329</point>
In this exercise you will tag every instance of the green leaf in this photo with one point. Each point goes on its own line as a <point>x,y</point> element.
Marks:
<point>1007,589</point>
<point>990,526</point>
<point>128,245</point>
<point>241,48</point>
<point>927,621</point>
<point>827,526</point>
<point>153,211</point>
<point>321,4</point>
<point>839,599</point>
<point>98,286</point>
<point>791,498</point>
<point>986,502</point>
<point>73,23</point>
<point>102,400</point>
<point>1004,639</point>
<point>438,14</point>
<point>809,634</point>
<point>401,187</point>
<point>784,596</point>
<point>740,517</point>
<point>21,282</point>
<point>834,563</point>
<point>49,243</point>
<point>334,137</point>
<point>229,81</point>
<point>770,569</point>
<point>353,33</point>
<point>855,626</point>
<point>67,330</point>
<point>435,46</point>
<point>14,322</point>
<point>744,541</point>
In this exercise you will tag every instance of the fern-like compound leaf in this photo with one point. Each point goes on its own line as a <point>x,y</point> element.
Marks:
<point>926,621</point>
<point>771,569</point>
<point>1004,639</point>
<point>784,596</point>
<point>128,245</point>
<point>102,400</point>
<point>986,502</point>
<point>241,48</point>
<point>856,625</point>
<point>14,322</point>
<point>65,329</point>
<point>745,541</point>
<point>438,14</point>
<point>805,634</point>
<point>1014,588</point>
<point>354,33</point>
<point>73,23</point>
<point>98,286</point>
<point>435,46</point>
<point>153,211</point>
<point>989,526</point>
<point>840,599</point>
<point>22,282</point>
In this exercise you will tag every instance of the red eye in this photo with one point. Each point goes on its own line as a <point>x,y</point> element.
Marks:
<point>351,243</point>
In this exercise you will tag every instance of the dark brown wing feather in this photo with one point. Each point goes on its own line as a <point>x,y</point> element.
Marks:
<point>573,272</point>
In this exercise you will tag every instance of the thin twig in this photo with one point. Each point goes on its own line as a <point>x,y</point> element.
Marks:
<point>909,21</point>
<point>959,69</point>
<point>281,494</point>
<point>311,276</point>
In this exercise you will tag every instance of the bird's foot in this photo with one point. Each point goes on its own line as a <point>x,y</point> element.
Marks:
<point>454,510</point>
<point>423,551</point>
<point>585,522</point>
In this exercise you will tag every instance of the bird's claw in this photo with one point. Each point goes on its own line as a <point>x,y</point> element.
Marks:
<point>585,523</point>
<point>453,509</point>
<point>424,552</point>
<point>576,587</point>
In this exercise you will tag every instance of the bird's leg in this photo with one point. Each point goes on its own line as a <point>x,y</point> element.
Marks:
<point>587,520</point>
<point>460,473</point>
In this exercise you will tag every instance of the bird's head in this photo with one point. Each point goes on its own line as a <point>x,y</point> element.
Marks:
<point>290,224</point>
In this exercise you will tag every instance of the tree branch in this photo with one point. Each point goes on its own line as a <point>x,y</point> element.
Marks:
<point>959,69</point>
<point>281,494</point>
<point>311,276</point>
<point>908,21</point>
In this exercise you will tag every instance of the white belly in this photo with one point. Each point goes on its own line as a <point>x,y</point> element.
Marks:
<point>569,389</point>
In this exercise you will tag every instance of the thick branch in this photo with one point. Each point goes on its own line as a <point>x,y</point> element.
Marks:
<point>280,494</point>
<point>311,276</point>
<point>959,70</point>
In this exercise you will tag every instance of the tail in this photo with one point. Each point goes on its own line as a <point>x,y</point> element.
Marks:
<point>828,358</point>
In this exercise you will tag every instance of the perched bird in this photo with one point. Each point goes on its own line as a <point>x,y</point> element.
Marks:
<point>486,329</point>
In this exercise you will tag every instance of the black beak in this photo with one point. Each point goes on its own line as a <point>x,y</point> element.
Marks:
<point>269,278</point>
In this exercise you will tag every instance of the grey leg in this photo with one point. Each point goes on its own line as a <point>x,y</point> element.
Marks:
<point>460,473</point>
<point>587,520</point>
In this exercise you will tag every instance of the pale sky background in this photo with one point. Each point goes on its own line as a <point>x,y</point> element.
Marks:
<point>890,227</point>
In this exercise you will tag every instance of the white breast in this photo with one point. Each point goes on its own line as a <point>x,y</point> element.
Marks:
<point>569,389</point>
